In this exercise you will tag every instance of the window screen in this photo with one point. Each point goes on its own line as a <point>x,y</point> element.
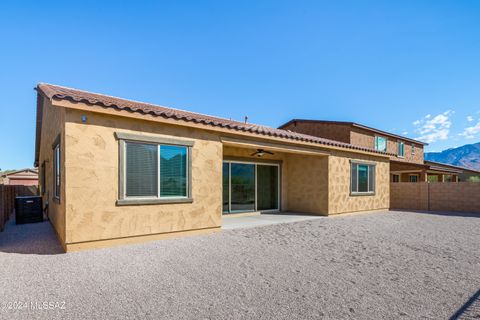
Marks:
<point>141,170</point>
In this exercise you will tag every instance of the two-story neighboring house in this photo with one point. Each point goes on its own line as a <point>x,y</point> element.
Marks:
<point>406,155</point>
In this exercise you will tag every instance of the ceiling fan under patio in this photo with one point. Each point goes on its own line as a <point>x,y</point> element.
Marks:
<point>260,153</point>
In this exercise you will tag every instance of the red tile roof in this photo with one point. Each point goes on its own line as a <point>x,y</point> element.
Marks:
<point>55,92</point>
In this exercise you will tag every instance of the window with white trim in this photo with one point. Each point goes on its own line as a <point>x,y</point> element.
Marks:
<point>413,178</point>
<point>413,149</point>
<point>362,178</point>
<point>154,170</point>
<point>380,143</point>
<point>400,149</point>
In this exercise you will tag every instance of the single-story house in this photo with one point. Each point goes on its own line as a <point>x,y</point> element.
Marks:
<point>118,171</point>
<point>24,177</point>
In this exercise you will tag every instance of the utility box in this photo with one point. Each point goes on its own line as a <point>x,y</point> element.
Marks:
<point>28,209</point>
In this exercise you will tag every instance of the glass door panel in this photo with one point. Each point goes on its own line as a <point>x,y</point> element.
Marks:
<point>226,187</point>
<point>267,187</point>
<point>242,193</point>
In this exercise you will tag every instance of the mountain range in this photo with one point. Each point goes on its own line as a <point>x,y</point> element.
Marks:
<point>465,156</point>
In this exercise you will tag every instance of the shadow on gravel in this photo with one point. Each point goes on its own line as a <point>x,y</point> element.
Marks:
<point>32,238</point>
<point>443,213</point>
<point>470,310</point>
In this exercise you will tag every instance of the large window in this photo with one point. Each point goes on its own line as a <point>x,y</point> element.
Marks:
<point>154,171</point>
<point>401,149</point>
<point>381,144</point>
<point>56,171</point>
<point>362,178</point>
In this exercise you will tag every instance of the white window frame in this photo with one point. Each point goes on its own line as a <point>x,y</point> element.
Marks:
<point>413,175</point>
<point>413,149</point>
<point>369,165</point>
<point>398,149</point>
<point>123,199</point>
<point>375,142</point>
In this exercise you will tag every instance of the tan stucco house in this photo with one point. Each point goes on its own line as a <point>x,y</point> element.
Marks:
<point>114,170</point>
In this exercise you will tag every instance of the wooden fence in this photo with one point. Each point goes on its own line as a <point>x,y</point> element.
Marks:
<point>436,196</point>
<point>7,200</point>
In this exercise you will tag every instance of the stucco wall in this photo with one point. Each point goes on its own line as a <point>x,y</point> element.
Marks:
<point>92,181</point>
<point>307,189</point>
<point>340,200</point>
<point>53,125</point>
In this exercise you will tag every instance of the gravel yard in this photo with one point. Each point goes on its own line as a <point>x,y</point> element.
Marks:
<point>387,265</point>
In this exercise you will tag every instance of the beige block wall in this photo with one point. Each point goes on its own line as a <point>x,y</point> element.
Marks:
<point>92,181</point>
<point>339,198</point>
<point>53,126</point>
<point>409,196</point>
<point>461,196</point>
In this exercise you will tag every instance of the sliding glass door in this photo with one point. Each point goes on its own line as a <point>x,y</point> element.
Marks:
<point>250,187</point>
<point>267,187</point>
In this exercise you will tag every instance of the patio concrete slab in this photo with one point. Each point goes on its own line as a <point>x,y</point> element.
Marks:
<point>264,219</point>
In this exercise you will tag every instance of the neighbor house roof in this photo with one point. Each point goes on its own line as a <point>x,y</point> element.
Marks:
<point>55,92</point>
<point>35,171</point>
<point>453,167</point>
<point>354,124</point>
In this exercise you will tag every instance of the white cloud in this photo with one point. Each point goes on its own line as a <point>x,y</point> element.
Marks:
<point>434,128</point>
<point>470,132</point>
<point>469,118</point>
<point>405,133</point>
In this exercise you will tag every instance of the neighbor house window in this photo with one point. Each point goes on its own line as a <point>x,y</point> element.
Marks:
<point>154,170</point>
<point>362,178</point>
<point>413,149</point>
<point>56,170</point>
<point>396,178</point>
<point>401,149</point>
<point>413,178</point>
<point>381,144</point>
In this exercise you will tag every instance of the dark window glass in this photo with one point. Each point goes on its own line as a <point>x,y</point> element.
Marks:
<point>173,171</point>
<point>267,187</point>
<point>226,186</point>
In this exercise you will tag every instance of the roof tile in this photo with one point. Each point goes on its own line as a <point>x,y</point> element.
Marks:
<point>56,92</point>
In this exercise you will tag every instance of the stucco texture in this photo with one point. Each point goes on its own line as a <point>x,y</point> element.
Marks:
<point>92,181</point>
<point>53,126</point>
<point>339,171</point>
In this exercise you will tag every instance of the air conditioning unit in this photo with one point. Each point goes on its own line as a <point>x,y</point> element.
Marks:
<point>28,209</point>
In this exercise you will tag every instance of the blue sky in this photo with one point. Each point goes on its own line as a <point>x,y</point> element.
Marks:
<point>410,67</point>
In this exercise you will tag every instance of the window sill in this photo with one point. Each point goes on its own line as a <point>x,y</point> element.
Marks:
<point>360,194</point>
<point>56,199</point>
<point>133,202</point>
